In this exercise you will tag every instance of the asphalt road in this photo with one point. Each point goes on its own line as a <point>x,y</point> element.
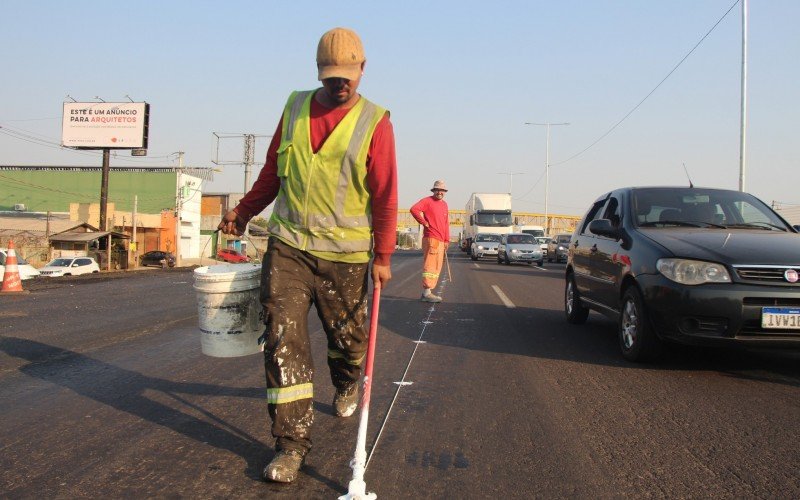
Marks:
<point>104,392</point>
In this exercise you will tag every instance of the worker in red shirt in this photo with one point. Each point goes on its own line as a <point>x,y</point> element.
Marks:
<point>332,173</point>
<point>432,213</point>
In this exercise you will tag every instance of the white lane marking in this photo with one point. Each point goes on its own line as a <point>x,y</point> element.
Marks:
<point>403,382</point>
<point>503,297</point>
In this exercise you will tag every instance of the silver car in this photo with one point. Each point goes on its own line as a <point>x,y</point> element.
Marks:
<point>558,248</point>
<point>484,244</point>
<point>519,247</point>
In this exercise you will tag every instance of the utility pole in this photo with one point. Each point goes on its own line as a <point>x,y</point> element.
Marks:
<point>249,156</point>
<point>743,130</point>
<point>178,203</point>
<point>104,188</point>
<point>133,222</point>
<point>547,173</point>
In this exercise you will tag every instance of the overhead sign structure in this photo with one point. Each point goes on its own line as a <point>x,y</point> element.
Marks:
<point>105,125</point>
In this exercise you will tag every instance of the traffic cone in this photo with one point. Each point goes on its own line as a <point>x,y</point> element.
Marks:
<point>12,283</point>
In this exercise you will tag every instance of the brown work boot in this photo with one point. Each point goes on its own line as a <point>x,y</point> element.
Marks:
<point>284,466</point>
<point>345,401</point>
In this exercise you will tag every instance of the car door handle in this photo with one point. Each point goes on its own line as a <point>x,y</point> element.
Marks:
<point>594,248</point>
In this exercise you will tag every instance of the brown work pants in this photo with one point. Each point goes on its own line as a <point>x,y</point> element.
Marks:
<point>292,280</point>
<point>433,255</point>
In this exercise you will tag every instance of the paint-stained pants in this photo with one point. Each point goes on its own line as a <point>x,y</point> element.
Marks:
<point>433,255</point>
<point>292,280</point>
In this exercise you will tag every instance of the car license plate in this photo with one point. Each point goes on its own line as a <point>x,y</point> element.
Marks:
<point>780,317</point>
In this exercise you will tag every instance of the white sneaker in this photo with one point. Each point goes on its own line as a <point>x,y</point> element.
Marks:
<point>430,297</point>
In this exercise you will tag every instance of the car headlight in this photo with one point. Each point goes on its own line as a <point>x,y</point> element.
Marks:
<point>480,247</point>
<point>693,272</point>
<point>514,250</point>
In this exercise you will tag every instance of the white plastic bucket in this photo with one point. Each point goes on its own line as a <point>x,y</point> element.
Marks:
<point>229,309</point>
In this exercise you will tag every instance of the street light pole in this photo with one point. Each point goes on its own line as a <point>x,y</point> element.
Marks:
<point>178,208</point>
<point>547,173</point>
<point>510,178</point>
<point>743,113</point>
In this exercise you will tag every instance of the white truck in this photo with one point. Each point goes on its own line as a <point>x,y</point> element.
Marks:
<point>535,231</point>
<point>486,213</point>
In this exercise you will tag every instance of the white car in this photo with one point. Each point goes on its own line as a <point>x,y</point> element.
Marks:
<point>70,266</point>
<point>543,240</point>
<point>26,271</point>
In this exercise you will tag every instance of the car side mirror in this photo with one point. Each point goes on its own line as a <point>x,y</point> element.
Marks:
<point>603,227</point>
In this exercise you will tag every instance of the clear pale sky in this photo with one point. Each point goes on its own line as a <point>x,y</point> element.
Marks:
<point>460,79</point>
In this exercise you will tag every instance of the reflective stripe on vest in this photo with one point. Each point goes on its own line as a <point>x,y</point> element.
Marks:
<point>281,395</point>
<point>317,207</point>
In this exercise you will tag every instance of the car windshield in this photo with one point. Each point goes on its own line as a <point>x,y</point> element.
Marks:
<point>498,219</point>
<point>543,239</point>
<point>60,263</point>
<point>565,238</point>
<point>692,207</point>
<point>487,237</point>
<point>521,239</point>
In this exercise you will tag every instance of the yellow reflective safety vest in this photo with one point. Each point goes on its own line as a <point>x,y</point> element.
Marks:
<point>323,205</point>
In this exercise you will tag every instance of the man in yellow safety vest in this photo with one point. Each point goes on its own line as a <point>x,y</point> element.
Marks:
<point>332,173</point>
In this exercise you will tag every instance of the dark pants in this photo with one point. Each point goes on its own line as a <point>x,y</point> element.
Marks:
<point>292,280</point>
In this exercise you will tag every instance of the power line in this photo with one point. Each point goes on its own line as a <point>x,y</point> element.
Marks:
<point>587,148</point>
<point>40,140</point>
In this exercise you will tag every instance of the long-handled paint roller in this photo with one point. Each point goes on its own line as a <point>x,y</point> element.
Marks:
<point>356,490</point>
<point>449,276</point>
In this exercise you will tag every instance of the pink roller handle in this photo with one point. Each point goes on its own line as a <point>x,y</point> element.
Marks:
<point>373,334</point>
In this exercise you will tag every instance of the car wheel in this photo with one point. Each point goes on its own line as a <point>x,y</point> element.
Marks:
<point>637,340</point>
<point>540,263</point>
<point>576,312</point>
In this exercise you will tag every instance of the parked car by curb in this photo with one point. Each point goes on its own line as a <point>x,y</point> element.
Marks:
<point>26,271</point>
<point>232,256</point>
<point>158,258</point>
<point>69,266</point>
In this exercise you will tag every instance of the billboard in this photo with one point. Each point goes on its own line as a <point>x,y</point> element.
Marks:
<point>96,125</point>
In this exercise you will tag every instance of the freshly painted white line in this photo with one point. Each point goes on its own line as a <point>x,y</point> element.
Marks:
<point>503,297</point>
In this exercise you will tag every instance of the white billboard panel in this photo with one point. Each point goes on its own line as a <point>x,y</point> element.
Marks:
<point>118,125</point>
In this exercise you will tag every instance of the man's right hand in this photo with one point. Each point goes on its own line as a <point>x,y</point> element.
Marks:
<point>232,224</point>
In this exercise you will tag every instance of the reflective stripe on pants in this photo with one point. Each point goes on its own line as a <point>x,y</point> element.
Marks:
<point>433,256</point>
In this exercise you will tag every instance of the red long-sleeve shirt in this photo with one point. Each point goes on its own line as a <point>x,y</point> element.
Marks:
<point>381,176</point>
<point>434,215</point>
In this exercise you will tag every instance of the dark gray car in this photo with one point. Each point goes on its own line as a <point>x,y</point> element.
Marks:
<point>685,264</point>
